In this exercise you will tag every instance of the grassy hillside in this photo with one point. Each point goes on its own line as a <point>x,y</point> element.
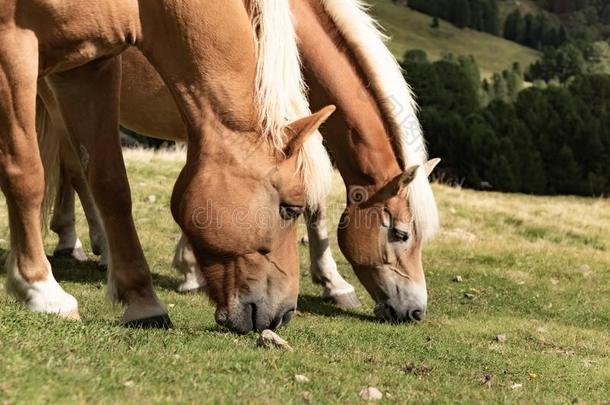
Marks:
<point>411,29</point>
<point>534,269</point>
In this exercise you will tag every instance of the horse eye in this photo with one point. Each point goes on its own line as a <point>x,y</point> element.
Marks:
<point>288,212</point>
<point>401,236</point>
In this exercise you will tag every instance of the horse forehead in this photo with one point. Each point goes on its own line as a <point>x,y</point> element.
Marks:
<point>399,206</point>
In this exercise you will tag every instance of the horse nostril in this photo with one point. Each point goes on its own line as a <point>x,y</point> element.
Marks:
<point>264,251</point>
<point>417,315</point>
<point>253,315</point>
<point>393,314</point>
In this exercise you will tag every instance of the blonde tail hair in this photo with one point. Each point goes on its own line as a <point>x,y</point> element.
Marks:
<point>49,147</point>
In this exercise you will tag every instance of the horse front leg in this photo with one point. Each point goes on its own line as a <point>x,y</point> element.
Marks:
<point>29,276</point>
<point>88,100</point>
<point>323,266</point>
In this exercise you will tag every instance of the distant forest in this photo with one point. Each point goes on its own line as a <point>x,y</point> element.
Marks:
<point>545,139</point>
<point>540,129</point>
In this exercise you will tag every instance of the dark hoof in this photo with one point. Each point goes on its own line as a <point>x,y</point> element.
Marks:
<point>63,253</point>
<point>155,322</point>
<point>345,301</point>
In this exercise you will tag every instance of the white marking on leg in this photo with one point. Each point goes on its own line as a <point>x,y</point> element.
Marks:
<point>42,296</point>
<point>185,263</point>
<point>72,244</point>
<point>323,266</point>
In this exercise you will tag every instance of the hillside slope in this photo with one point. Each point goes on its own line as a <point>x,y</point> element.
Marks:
<point>410,29</point>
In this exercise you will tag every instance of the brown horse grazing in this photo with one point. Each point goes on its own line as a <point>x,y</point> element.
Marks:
<point>375,138</point>
<point>206,54</point>
<point>378,145</point>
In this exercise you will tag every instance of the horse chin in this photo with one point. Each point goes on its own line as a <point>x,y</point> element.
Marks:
<point>397,298</point>
<point>263,295</point>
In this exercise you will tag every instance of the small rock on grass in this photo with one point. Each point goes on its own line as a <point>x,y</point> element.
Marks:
<point>151,199</point>
<point>486,380</point>
<point>500,338</point>
<point>422,369</point>
<point>301,378</point>
<point>371,394</point>
<point>271,340</point>
<point>458,279</point>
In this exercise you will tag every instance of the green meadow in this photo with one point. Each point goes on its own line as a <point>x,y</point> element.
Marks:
<point>533,269</point>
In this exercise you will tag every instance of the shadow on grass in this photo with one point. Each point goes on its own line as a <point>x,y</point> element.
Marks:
<point>318,306</point>
<point>67,269</point>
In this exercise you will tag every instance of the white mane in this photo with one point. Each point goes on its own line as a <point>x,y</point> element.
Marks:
<point>281,92</point>
<point>397,102</point>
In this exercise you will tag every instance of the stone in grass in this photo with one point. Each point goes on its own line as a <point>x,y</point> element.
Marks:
<point>151,199</point>
<point>271,340</point>
<point>585,269</point>
<point>486,380</point>
<point>422,369</point>
<point>371,394</point>
<point>458,279</point>
<point>300,378</point>
<point>500,338</point>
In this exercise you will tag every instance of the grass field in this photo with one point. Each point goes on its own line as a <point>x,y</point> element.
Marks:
<point>410,29</point>
<point>534,269</point>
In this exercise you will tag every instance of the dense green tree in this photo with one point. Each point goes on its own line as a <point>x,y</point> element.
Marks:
<point>500,88</point>
<point>416,56</point>
<point>562,63</point>
<point>549,139</point>
<point>461,13</point>
<point>491,17</point>
<point>514,27</point>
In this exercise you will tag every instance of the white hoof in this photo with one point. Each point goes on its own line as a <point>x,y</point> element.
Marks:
<point>193,282</point>
<point>74,251</point>
<point>42,296</point>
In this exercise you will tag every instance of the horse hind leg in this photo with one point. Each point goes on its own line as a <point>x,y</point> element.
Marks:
<point>63,222</point>
<point>323,266</point>
<point>186,265</point>
<point>29,276</point>
<point>78,182</point>
<point>93,127</point>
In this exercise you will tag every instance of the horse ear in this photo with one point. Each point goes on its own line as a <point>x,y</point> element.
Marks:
<point>404,179</point>
<point>430,165</point>
<point>298,132</point>
<point>398,185</point>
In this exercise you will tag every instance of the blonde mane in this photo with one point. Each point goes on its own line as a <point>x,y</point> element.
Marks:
<point>281,92</point>
<point>397,103</point>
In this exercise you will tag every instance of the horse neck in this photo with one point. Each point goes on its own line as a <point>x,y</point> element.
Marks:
<point>211,76</point>
<point>357,134</point>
